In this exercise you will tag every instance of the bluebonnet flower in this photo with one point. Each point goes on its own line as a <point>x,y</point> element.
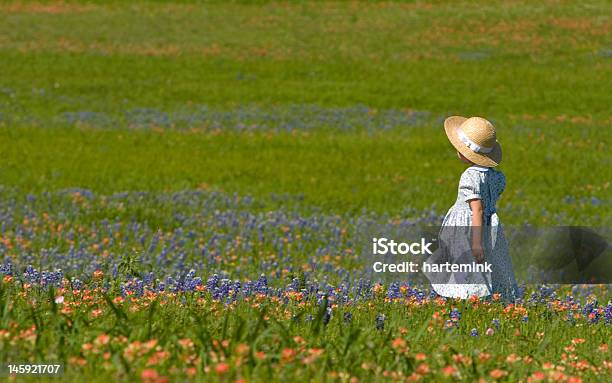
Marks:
<point>496,323</point>
<point>474,332</point>
<point>76,284</point>
<point>455,315</point>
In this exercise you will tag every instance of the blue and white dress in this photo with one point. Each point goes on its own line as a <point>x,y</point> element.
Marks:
<point>486,184</point>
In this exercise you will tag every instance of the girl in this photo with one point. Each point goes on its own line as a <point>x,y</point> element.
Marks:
<point>471,232</point>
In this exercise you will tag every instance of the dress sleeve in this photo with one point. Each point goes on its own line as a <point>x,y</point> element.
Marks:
<point>469,186</point>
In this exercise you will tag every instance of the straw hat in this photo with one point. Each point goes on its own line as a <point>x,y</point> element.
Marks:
<point>475,138</point>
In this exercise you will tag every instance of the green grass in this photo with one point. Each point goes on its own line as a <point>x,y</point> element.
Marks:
<point>540,71</point>
<point>383,172</point>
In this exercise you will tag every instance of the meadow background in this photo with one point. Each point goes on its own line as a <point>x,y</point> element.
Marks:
<point>141,141</point>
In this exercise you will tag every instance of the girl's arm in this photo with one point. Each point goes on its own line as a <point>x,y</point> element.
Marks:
<point>477,213</point>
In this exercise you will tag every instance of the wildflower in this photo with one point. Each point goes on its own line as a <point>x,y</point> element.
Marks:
<point>460,358</point>
<point>512,358</point>
<point>186,343</point>
<point>496,323</point>
<point>102,339</point>
<point>191,371</point>
<point>455,315</point>
<point>474,332</point>
<point>398,343</point>
<point>537,376</point>
<point>242,349</point>
<point>288,354</point>
<point>151,376</point>
<point>449,370</point>
<point>422,369</point>
<point>157,358</point>
<point>497,373</point>
<point>420,356</point>
<point>260,355</point>
<point>578,340</point>
<point>222,368</point>
<point>483,357</point>
<point>59,299</point>
<point>489,332</point>
<point>96,313</point>
<point>314,353</point>
<point>98,274</point>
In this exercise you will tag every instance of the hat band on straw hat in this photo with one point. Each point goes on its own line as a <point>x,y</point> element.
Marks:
<point>471,144</point>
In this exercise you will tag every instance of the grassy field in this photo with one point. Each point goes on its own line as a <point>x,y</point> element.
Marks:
<point>540,72</point>
<point>182,186</point>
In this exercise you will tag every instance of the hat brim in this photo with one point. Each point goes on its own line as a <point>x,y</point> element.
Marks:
<point>489,160</point>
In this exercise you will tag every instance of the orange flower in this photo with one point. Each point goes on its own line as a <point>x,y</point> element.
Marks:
<point>420,356</point>
<point>513,358</point>
<point>151,376</point>
<point>186,343</point>
<point>102,339</point>
<point>222,368</point>
<point>191,371</point>
<point>96,313</point>
<point>315,353</point>
<point>537,376</point>
<point>260,355</point>
<point>398,343</point>
<point>148,374</point>
<point>288,354</point>
<point>483,357</point>
<point>157,358</point>
<point>498,374</point>
<point>449,370</point>
<point>422,369</point>
<point>578,341</point>
<point>242,349</point>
